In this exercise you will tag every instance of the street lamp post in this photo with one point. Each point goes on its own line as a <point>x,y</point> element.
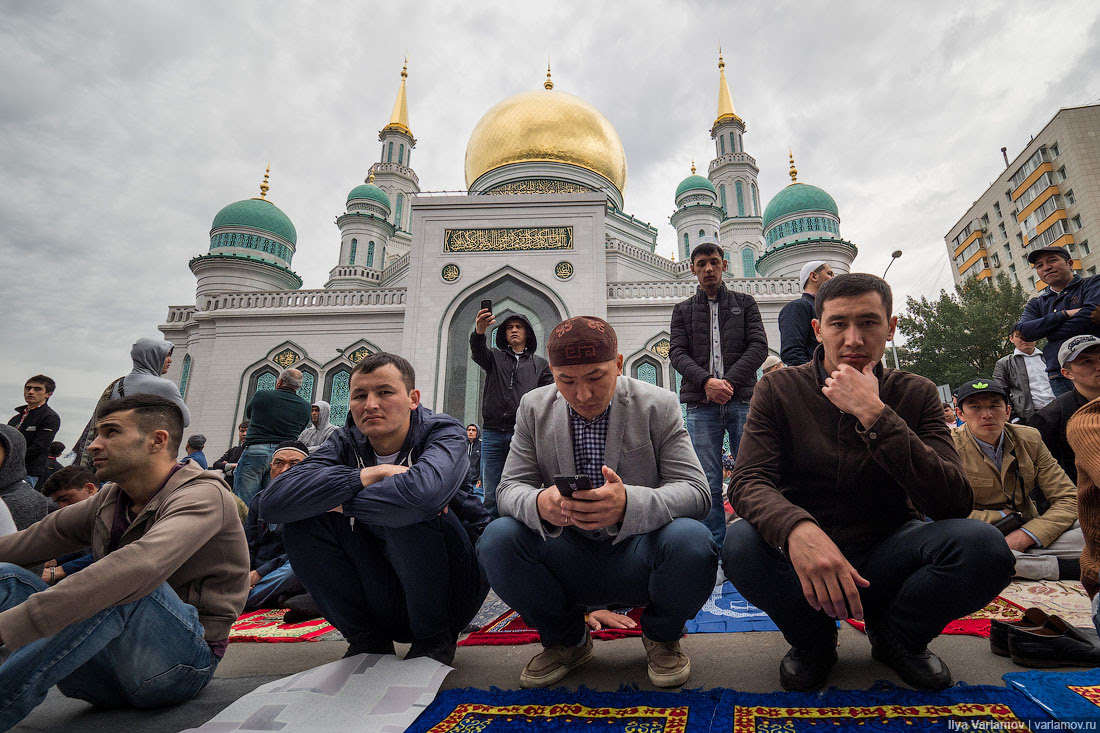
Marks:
<point>893,256</point>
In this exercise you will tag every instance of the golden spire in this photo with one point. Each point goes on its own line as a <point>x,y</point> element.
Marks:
<point>793,171</point>
<point>264,187</point>
<point>370,177</point>
<point>548,84</point>
<point>399,118</point>
<point>693,166</point>
<point>725,101</point>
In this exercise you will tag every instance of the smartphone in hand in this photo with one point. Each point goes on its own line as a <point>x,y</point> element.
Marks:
<point>568,484</point>
<point>487,305</point>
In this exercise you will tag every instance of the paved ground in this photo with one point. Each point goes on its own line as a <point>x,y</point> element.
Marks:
<point>745,661</point>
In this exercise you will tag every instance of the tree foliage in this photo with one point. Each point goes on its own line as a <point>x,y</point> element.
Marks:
<point>960,336</point>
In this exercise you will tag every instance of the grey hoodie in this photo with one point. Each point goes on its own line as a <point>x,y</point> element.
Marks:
<point>312,436</point>
<point>26,504</point>
<point>148,356</point>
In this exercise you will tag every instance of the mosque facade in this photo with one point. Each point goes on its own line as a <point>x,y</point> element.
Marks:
<point>541,231</point>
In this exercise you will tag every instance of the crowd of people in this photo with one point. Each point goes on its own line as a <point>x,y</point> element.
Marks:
<point>855,493</point>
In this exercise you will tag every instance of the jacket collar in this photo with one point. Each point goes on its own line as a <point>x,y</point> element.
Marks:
<point>185,473</point>
<point>701,295</point>
<point>1074,283</point>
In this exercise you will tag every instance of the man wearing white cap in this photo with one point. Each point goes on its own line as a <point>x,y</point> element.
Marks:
<point>796,335</point>
<point>1079,358</point>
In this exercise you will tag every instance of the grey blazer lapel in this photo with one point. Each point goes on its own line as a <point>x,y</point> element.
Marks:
<point>563,438</point>
<point>616,426</point>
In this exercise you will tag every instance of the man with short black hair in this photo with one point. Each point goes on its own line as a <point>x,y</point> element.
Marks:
<point>70,485</point>
<point>38,424</point>
<point>120,632</point>
<point>228,462</point>
<point>378,524</point>
<point>1024,373</point>
<point>1080,360</point>
<point>841,461</point>
<point>718,343</point>
<point>194,447</point>
<point>1006,465</point>
<point>1063,309</point>
<point>274,415</point>
<point>796,331</point>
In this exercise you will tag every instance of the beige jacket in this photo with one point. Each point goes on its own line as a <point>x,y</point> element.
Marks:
<point>1024,448</point>
<point>189,535</point>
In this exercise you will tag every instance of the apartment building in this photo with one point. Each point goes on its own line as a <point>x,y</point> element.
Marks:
<point>1048,195</point>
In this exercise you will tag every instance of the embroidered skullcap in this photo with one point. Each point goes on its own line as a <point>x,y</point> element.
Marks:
<point>582,340</point>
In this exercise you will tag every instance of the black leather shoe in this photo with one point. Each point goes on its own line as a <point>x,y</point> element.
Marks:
<point>807,669</point>
<point>1034,618</point>
<point>441,650</point>
<point>919,668</point>
<point>1055,645</point>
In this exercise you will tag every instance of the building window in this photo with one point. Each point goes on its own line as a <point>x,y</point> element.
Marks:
<point>996,260</point>
<point>309,379</point>
<point>985,219</point>
<point>721,145</point>
<point>185,375</point>
<point>351,257</point>
<point>1031,282</point>
<point>389,155</point>
<point>1054,150</point>
<point>687,247</point>
<point>1085,247</point>
<point>1076,222</point>
<point>722,195</point>
<point>370,254</point>
<point>261,380</point>
<point>338,392</point>
<point>755,200</point>
<point>702,233</point>
<point>1070,199</point>
<point>748,262</point>
<point>401,154</point>
<point>1061,174</point>
<point>1004,232</point>
<point>997,209</point>
<point>647,370</point>
<point>1012,269</point>
<point>734,147</point>
<point>409,157</point>
<point>1008,196</point>
<point>400,210</point>
<point>740,198</point>
<point>1019,238</point>
<point>1091,270</point>
<point>1008,251</point>
<point>726,257</point>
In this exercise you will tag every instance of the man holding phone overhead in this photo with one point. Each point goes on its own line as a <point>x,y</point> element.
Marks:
<point>600,504</point>
<point>512,370</point>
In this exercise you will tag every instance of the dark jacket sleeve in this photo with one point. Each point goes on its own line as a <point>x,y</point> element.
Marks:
<point>324,481</point>
<point>1033,325</point>
<point>922,458</point>
<point>38,447</point>
<point>480,352</point>
<point>794,320</point>
<point>252,530</point>
<point>545,375</point>
<point>679,353</point>
<point>219,464</point>
<point>743,371</point>
<point>75,566</point>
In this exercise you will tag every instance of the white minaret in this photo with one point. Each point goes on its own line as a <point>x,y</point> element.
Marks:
<point>365,230</point>
<point>393,173</point>
<point>697,213</point>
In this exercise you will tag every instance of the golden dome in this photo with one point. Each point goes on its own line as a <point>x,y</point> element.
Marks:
<point>549,126</point>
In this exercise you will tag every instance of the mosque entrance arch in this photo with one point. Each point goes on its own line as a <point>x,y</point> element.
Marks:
<point>511,296</point>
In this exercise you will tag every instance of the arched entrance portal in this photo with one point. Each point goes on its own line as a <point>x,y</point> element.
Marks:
<point>465,379</point>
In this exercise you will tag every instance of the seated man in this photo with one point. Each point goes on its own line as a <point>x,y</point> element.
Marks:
<point>194,447</point>
<point>120,632</point>
<point>1080,361</point>
<point>70,485</point>
<point>1005,463</point>
<point>634,539</point>
<point>272,581</point>
<point>1083,433</point>
<point>373,522</point>
<point>839,461</point>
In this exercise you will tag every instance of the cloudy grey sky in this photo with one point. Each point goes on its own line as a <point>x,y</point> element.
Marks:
<point>125,126</point>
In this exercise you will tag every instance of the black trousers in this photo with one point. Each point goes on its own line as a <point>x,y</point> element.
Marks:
<point>381,584</point>
<point>922,576</point>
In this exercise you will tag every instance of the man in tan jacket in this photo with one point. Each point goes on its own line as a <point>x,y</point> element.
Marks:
<point>146,623</point>
<point>1005,464</point>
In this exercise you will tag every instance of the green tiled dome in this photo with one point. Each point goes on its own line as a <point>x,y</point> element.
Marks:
<point>257,214</point>
<point>798,197</point>
<point>370,191</point>
<point>692,183</point>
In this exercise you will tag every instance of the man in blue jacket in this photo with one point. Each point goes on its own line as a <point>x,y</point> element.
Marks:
<point>1063,309</point>
<point>378,524</point>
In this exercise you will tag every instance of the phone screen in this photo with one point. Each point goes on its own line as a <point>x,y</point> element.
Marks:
<point>568,484</point>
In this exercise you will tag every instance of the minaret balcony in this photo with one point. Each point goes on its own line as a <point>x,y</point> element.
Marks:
<point>721,160</point>
<point>397,168</point>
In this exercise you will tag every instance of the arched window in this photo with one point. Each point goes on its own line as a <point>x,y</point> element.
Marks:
<point>400,209</point>
<point>370,254</point>
<point>351,256</point>
<point>338,392</point>
<point>409,157</point>
<point>687,246</point>
<point>726,257</point>
<point>702,233</point>
<point>261,380</point>
<point>721,145</point>
<point>722,195</point>
<point>383,152</point>
<point>748,262</point>
<point>647,370</point>
<point>401,154</point>
<point>309,379</point>
<point>389,154</point>
<point>740,198</point>
<point>382,258</point>
<point>755,200</point>
<point>185,375</point>
<point>733,143</point>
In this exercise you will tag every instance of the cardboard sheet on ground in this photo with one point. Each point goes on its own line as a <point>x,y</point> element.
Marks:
<point>368,692</point>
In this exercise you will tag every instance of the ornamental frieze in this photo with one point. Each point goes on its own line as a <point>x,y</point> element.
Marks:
<point>538,185</point>
<point>517,239</point>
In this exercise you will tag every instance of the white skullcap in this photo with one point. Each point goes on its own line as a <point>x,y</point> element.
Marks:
<point>808,269</point>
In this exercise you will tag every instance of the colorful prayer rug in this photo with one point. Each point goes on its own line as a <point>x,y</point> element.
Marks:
<point>267,625</point>
<point>727,611</point>
<point>1070,697</point>
<point>510,628</point>
<point>977,623</point>
<point>883,708</point>
<point>1065,598</point>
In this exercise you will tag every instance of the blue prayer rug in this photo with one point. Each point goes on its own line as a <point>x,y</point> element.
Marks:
<point>727,611</point>
<point>1070,697</point>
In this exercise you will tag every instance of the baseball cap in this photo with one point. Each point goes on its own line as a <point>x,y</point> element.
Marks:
<point>1072,347</point>
<point>980,386</point>
<point>1035,253</point>
<point>808,269</point>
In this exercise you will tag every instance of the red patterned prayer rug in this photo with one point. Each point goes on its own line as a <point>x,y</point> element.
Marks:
<point>509,628</point>
<point>977,623</point>
<point>267,625</point>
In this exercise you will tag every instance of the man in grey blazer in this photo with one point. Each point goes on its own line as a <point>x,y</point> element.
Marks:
<point>635,539</point>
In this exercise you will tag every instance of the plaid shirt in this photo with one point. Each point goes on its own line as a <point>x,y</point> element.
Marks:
<point>589,440</point>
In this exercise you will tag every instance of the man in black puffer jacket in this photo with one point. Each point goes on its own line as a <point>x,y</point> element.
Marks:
<point>718,343</point>
<point>512,370</point>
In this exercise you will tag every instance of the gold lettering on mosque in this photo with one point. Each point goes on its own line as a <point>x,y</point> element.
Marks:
<point>285,358</point>
<point>507,240</point>
<point>538,185</point>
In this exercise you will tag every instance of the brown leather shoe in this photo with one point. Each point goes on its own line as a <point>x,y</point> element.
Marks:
<point>553,663</point>
<point>668,666</point>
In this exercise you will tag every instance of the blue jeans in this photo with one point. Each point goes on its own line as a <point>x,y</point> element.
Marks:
<point>253,471</point>
<point>922,576</point>
<point>707,424</point>
<point>32,480</point>
<point>494,452</point>
<point>1060,385</point>
<point>145,654</point>
<point>551,582</point>
<point>274,588</point>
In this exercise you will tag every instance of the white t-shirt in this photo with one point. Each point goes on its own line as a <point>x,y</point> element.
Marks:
<point>391,458</point>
